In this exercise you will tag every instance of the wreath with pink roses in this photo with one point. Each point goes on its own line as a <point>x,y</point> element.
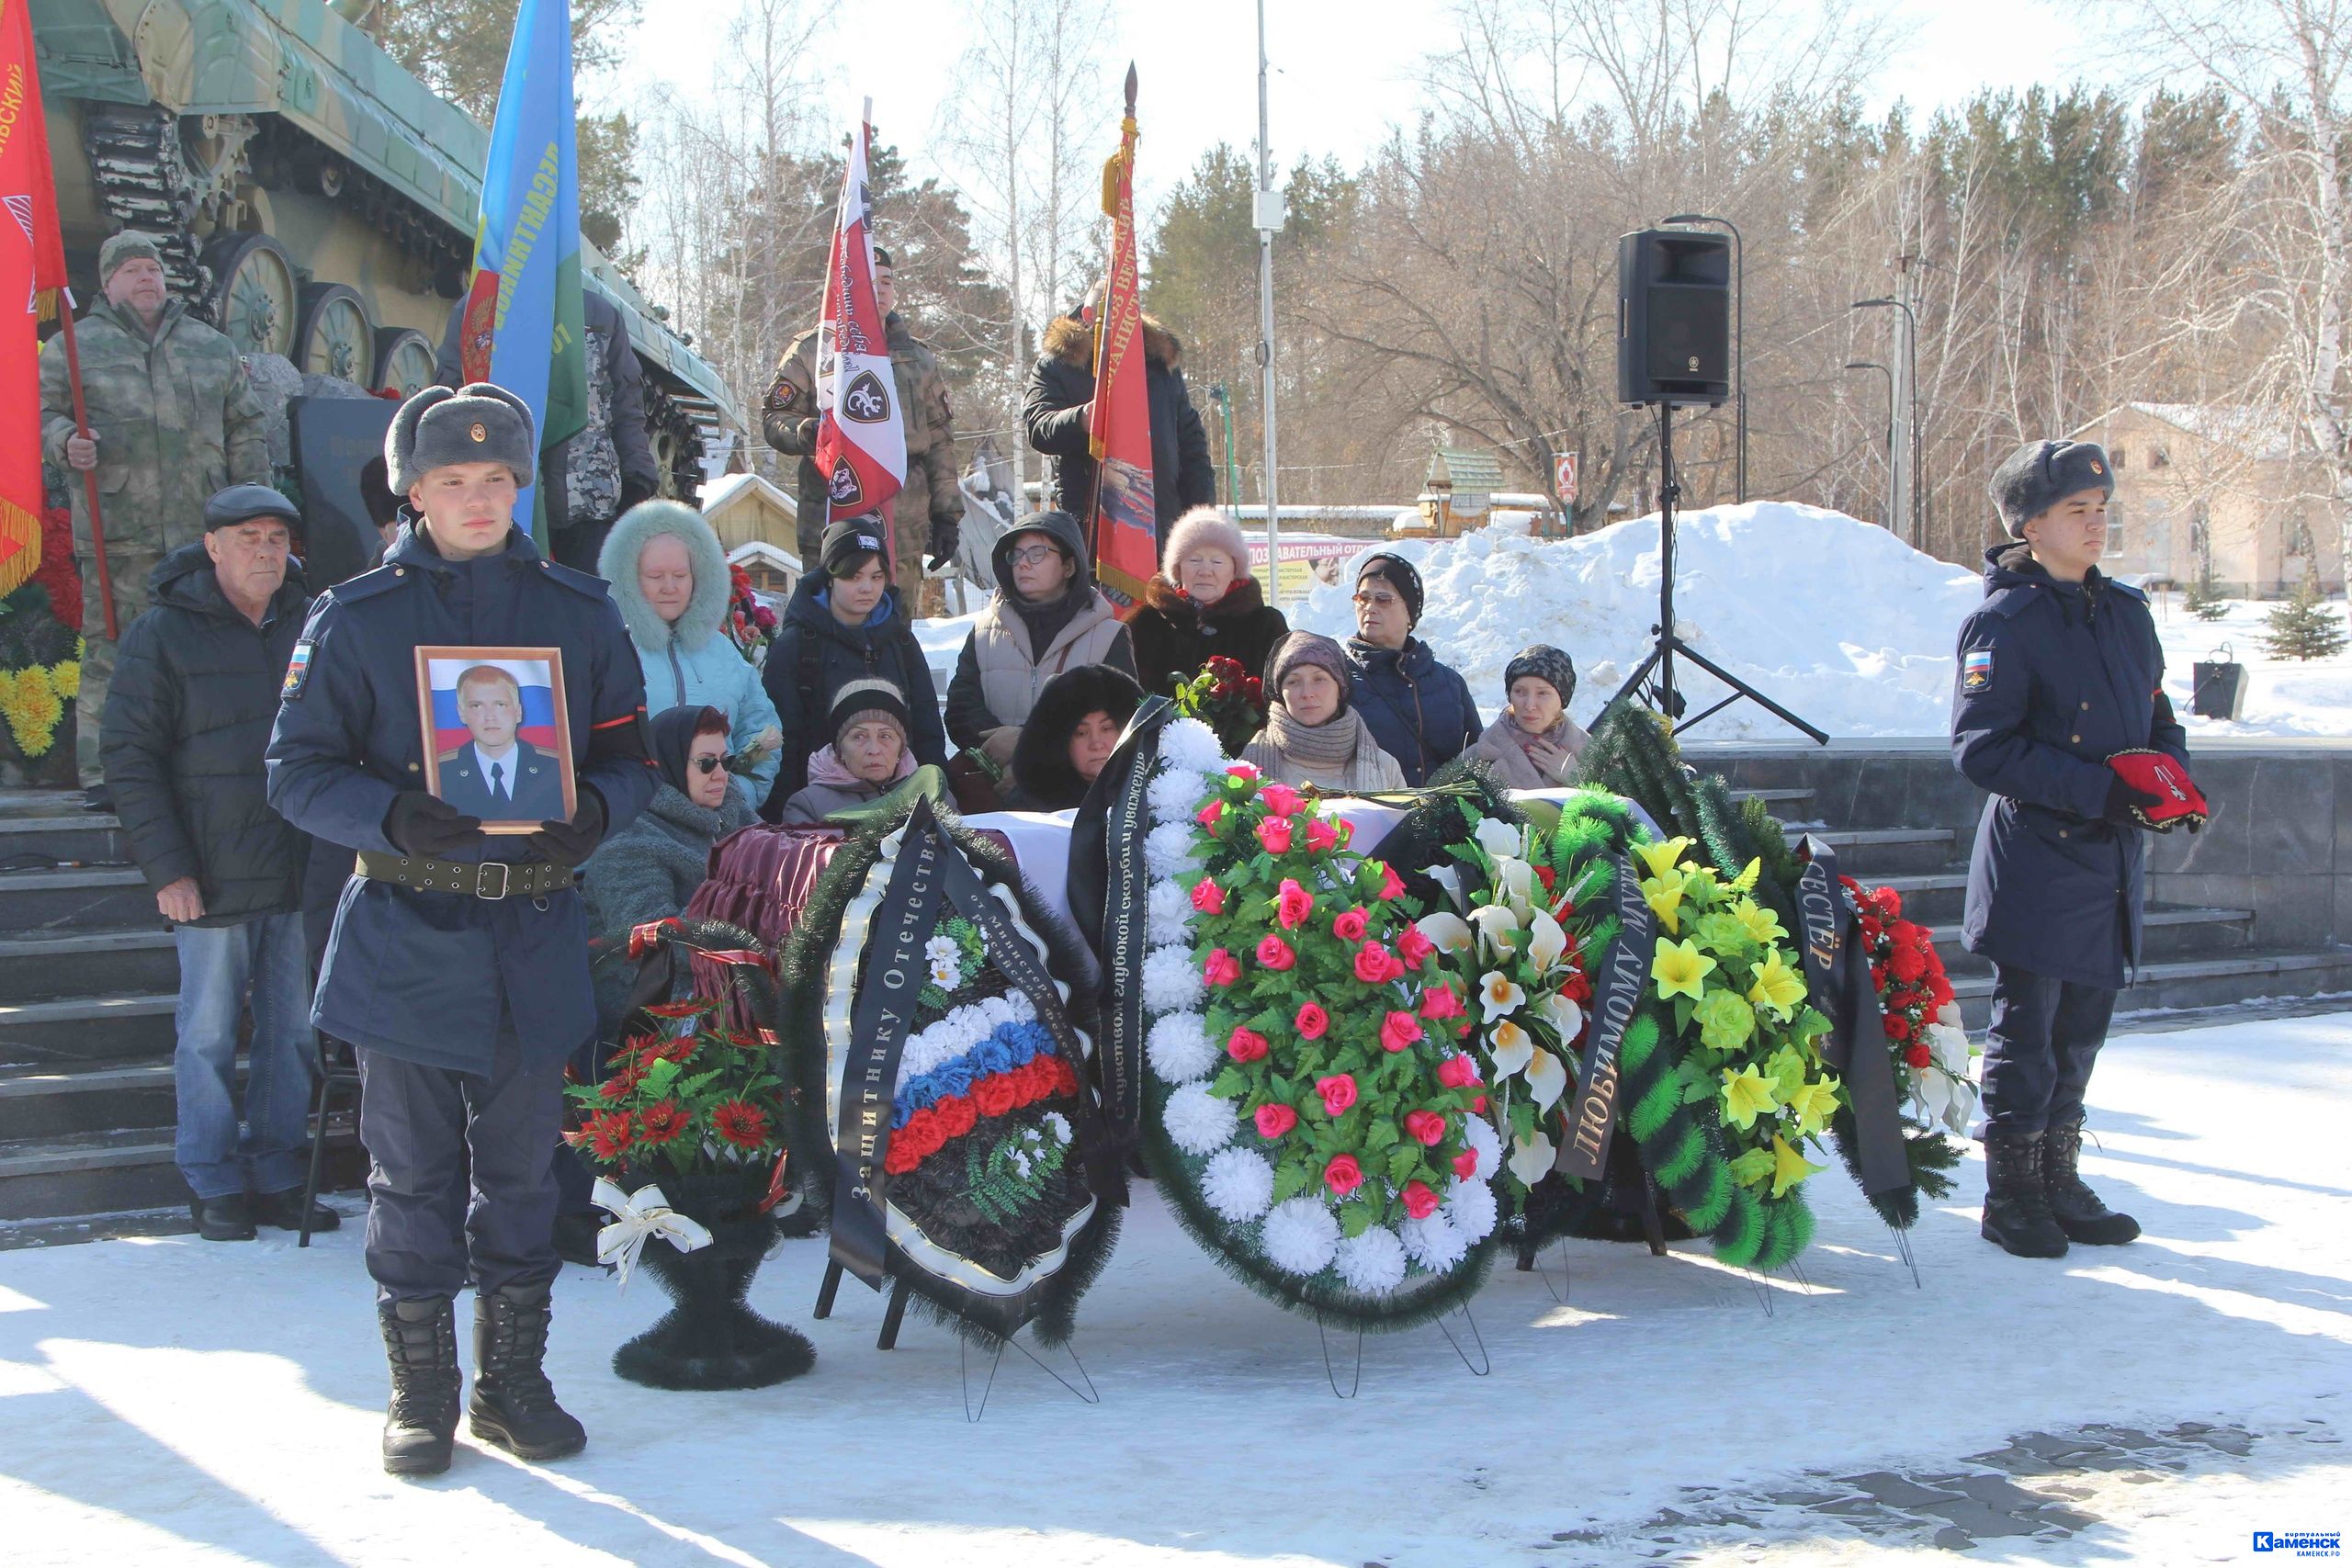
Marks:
<point>1314,1109</point>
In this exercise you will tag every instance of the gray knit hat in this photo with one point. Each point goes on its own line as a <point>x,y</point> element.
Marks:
<point>129,244</point>
<point>1546,664</point>
<point>1205,525</point>
<point>2040,474</point>
<point>477,423</point>
<point>1307,648</point>
<point>872,694</point>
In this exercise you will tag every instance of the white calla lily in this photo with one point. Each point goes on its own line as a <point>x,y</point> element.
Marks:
<point>1515,884</point>
<point>1565,1018</point>
<point>1530,1158</point>
<point>1510,1048</point>
<point>1546,942</point>
<point>1499,838</point>
<point>1546,1079</point>
<point>1451,932</point>
<point>1499,995</point>
<point>1498,926</point>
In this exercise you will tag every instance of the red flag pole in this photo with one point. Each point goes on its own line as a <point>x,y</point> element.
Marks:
<point>90,474</point>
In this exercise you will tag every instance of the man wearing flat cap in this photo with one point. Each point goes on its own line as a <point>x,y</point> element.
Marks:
<point>2060,674</point>
<point>458,964</point>
<point>172,420</point>
<point>194,695</point>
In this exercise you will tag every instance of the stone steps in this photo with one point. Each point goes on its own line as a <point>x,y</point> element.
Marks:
<point>85,1029</point>
<point>2167,932</point>
<point>111,1171</point>
<point>59,964</point>
<point>2187,983</point>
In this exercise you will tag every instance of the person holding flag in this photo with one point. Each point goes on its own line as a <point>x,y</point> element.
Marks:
<point>1130,453</point>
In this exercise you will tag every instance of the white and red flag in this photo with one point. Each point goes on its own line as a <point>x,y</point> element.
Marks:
<point>861,438</point>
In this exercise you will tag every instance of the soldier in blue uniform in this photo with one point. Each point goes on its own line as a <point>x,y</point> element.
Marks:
<point>459,962</point>
<point>2060,670</point>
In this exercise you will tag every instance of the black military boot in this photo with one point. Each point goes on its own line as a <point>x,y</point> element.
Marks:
<point>514,1404</point>
<point>2017,1212</point>
<point>2072,1203</point>
<point>421,1425</point>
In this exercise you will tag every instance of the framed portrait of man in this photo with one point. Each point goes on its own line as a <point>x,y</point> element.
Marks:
<point>497,742</point>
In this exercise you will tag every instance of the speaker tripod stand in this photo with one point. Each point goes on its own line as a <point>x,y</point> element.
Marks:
<point>1660,659</point>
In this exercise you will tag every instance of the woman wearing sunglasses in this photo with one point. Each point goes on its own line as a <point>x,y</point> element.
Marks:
<point>1044,617</point>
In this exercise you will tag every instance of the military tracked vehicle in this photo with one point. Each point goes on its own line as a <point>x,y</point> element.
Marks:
<point>313,199</point>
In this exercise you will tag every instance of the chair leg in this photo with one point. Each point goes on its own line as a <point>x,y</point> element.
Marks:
<point>318,1154</point>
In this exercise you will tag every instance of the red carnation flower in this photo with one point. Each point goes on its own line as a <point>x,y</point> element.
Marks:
<point>741,1123</point>
<point>1918,1056</point>
<point>996,1094</point>
<point>957,1115</point>
<point>1906,964</point>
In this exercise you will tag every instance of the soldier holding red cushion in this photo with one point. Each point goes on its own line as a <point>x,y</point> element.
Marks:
<point>2060,696</point>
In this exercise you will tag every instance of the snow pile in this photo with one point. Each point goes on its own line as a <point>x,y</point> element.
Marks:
<point>2283,696</point>
<point>1835,618</point>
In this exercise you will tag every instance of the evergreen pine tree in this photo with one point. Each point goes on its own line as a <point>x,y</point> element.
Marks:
<point>2204,599</point>
<point>2305,626</point>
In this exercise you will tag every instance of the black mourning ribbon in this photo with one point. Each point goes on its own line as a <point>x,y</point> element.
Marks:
<point>1110,890</point>
<point>1838,974</point>
<point>1616,993</point>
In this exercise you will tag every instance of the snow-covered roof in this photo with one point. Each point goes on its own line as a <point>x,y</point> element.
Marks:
<point>760,549</point>
<point>727,487</point>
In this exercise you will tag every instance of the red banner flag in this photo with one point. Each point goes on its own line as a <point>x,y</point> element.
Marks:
<point>32,264</point>
<point>1126,525</point>
<point>861,438</point>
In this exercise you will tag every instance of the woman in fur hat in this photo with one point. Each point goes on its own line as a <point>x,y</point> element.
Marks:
<point>1068,737</point>
<point>1533,744</point>
<point>670,579</point>
<point>1314,734</point>
<point>1202,603</point>
<point>868,758</point>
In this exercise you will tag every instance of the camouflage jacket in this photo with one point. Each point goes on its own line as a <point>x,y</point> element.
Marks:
<point>929,494</point>
<point>174,417</point>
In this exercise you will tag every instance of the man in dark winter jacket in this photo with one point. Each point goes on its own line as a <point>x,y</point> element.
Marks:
<point>1060,401</point>
<point>606,468</point>
<point>1420,710</point>
<point>2060,670</point>
<point>844,623</point>
<point>195,693</point>
<point>459,966</point>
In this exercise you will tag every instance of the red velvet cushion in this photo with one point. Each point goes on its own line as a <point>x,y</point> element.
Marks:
<point>2177,797</point>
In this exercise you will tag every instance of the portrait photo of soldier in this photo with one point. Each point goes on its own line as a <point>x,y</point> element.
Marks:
<point>495,773</point>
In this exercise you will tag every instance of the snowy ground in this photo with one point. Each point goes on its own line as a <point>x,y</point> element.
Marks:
<point>167,1401</point>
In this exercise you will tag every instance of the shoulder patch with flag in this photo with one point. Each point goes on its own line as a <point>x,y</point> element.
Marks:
<point>1976,668</point>
<point>298,671</point>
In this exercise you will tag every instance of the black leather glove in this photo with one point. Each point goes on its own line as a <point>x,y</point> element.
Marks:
<point>945,534</point>
<point>635,490</point>
<point>2121,798</point>
<point>571,843</point>
<point>424,825</point>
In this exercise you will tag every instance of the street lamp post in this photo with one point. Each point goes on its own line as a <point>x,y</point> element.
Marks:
<point>1738,339</point>
<point>1911,398</point>
<point>1874,365</point>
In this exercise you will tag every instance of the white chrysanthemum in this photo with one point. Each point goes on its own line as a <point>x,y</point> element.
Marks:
<point>1171,979</point>
<point>1299,1236</point>
<point>1436,1244</point>
<point>1059,1124</point>
<point>1176,793</point>
<point>1238,1184</point>
<point>1470,1206</point>
<point>1168,849</point>
<point>1179,1047</point>
<point>1373,1263</point>
<point>1170,909</point>
<point>1198,1122</point>
<point>1480,1134</point>
<point>1190,745</point>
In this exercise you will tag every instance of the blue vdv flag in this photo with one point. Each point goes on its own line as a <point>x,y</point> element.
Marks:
<point>524,327</point>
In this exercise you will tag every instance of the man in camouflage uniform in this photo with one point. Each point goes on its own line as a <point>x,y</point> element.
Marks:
<point>609,466</point>
<point>173,420</point>
<point>928,509</point>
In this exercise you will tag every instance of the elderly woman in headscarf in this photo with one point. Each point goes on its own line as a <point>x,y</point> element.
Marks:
<point>1314,734</point>
<point>1533,744</point>
<point>868,756</point>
